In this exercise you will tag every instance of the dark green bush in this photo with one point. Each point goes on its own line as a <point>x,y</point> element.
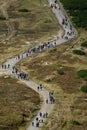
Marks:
<point>78,11</point>
<point>78,52</point>
<point>75,122</point>
<point>23,10</point>
<point>84,44</point>
<point>84,89</point>
<point>82,74</point>
<point>2,18</point>
<point>60,71</point>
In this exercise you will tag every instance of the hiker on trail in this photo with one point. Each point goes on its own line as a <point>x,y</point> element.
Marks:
<point>54,43</point>
<point>46,114</point>
<point>8,65</point>
<point>37,119</point>
<point>38,88</point>
<point>40,114</point>
<point>47,101</point>
<point>55,1</point>
<point>51,5</point>
<point>32,123</point>
<point>16,70</point>
<point>41,121</point>
<point>41,86</point>
<point>53,100</point>
<point>37,124</point>
<point>2,66</point>
<point>18,56</point>
<point>5,66</point>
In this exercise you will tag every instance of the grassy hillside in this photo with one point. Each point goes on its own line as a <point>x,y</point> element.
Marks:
<point>78,11</point>
<point>37,23</point>
<point>17,102</point>
<point>60,76</point>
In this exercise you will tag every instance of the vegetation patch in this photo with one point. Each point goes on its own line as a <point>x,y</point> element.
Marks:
<point>84,89</point>
<point>78,11</point>
<point>82,74</point>
<point>84,44</point>
<point>23,10</point>
<point>2,18</point>
<point>78,52</point>
<point>74,122</point>
<point>60,71</point>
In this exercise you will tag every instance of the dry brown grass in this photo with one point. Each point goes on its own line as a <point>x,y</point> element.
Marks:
<point>16,100</point>
<point>66,87</point>
<point>37,24</point>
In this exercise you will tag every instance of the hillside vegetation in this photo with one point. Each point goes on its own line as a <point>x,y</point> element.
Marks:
<point>78,11</point>
<point>57,69</point>
<point>32,20</point>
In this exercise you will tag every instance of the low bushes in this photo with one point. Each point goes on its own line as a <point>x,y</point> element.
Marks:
<point>2,18</point>
<point>78,10</point>
<point>84,89</point>
<point>82,74</point>
<point>60,71</point>
<point>74,122</point>
<point>84,44</point>
<point>23,10</point>
<point>78,52</point>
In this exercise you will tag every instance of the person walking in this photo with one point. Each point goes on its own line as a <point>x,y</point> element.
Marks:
<point>46,101</point>
<point>32,123</point>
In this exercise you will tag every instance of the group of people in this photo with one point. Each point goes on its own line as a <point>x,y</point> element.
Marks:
<point>20,75</point>
<point>39,87</point>
<point>41,115</point>
<point>4,66</point>
<point>39,119</point>
<point>51,98</point>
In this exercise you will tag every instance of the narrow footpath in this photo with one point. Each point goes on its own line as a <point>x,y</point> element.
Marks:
<point>70,33</point>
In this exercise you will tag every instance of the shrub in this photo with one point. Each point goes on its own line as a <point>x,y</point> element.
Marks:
<point>60,71</point>
<point>78,52</point>
<point>82,73</point>
<point>23,10</point>
<point>48,80</point>
<point>78,11</point>
<point>84,89</point>
<point>75,122</point>
<point>84,44</point>
<point>2,18</point>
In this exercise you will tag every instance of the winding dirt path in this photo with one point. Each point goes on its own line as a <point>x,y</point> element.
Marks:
<point>44,93</point>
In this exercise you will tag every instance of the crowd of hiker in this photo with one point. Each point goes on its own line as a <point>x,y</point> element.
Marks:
<point>40,119</point>
<point>30,52</point>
